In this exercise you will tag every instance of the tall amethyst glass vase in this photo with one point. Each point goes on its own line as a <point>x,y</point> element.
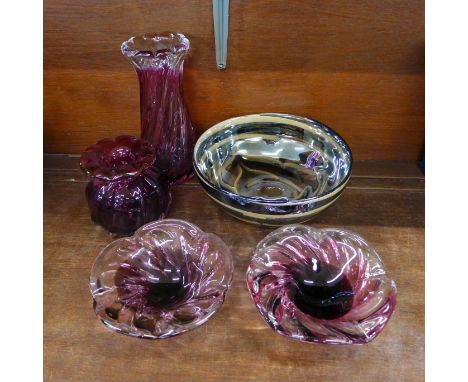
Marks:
<point>165,121</point>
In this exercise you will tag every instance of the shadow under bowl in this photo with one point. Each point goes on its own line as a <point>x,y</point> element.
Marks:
<point>272,169</point>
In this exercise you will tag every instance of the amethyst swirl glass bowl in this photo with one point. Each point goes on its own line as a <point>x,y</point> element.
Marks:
<point>166,279</point>
<point>321,285</point>
<point>125,190</point>
<point>272,169</point>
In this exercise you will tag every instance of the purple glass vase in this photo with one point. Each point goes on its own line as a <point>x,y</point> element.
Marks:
<point>125,191</point>
<point>165,121</point>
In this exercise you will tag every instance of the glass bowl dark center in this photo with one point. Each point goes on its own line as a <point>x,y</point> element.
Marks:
<point>161,294</point>
<point>267,177</point>
<point>147,292</point>
<point>321,290</point>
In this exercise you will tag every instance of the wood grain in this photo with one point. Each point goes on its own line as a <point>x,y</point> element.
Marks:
<point>356,66</point>
<point>235,345</point>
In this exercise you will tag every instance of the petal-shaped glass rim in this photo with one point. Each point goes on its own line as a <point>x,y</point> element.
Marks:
<point>119,250</point>
<point>151,44</point>
<point>369,268</point>
<point>95,159</point>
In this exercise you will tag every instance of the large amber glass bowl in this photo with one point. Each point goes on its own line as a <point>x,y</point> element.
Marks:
<point>272,169</point>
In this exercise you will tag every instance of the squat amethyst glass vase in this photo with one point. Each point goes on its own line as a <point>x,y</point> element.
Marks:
<point>125,191</point>
<point>165,122</point>
<point>321,285</point>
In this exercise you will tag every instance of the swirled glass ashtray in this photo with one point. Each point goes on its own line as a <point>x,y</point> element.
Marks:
<point>321,285</point>
<point>166,279</point>
<point>272,169</point>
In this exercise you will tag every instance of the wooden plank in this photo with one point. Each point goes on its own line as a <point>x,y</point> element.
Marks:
<point>361,169</point>
<point>357,66</point>
<point>61,162</point>
<point>235,344</point>
<point>83,106</point>
<point>384,175</point>
<point>355,183</point>
<point>303,35</point>
<point>387,169</point>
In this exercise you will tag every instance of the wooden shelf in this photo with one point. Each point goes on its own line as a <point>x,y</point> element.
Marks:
<point>384,202</point>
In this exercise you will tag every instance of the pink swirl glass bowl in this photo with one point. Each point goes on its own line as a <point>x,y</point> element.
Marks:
<point>166,279</point>
<point>321,285</point>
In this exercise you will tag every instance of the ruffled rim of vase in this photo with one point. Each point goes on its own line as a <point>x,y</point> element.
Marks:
<point>150,45</point>
<point>110,159</point>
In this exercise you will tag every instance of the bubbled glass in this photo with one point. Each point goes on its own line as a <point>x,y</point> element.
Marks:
<point>321,285</point>
<point>166,279</point>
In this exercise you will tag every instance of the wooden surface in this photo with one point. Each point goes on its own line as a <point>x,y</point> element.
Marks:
<point>384,203</point>
<point>357,66</point>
